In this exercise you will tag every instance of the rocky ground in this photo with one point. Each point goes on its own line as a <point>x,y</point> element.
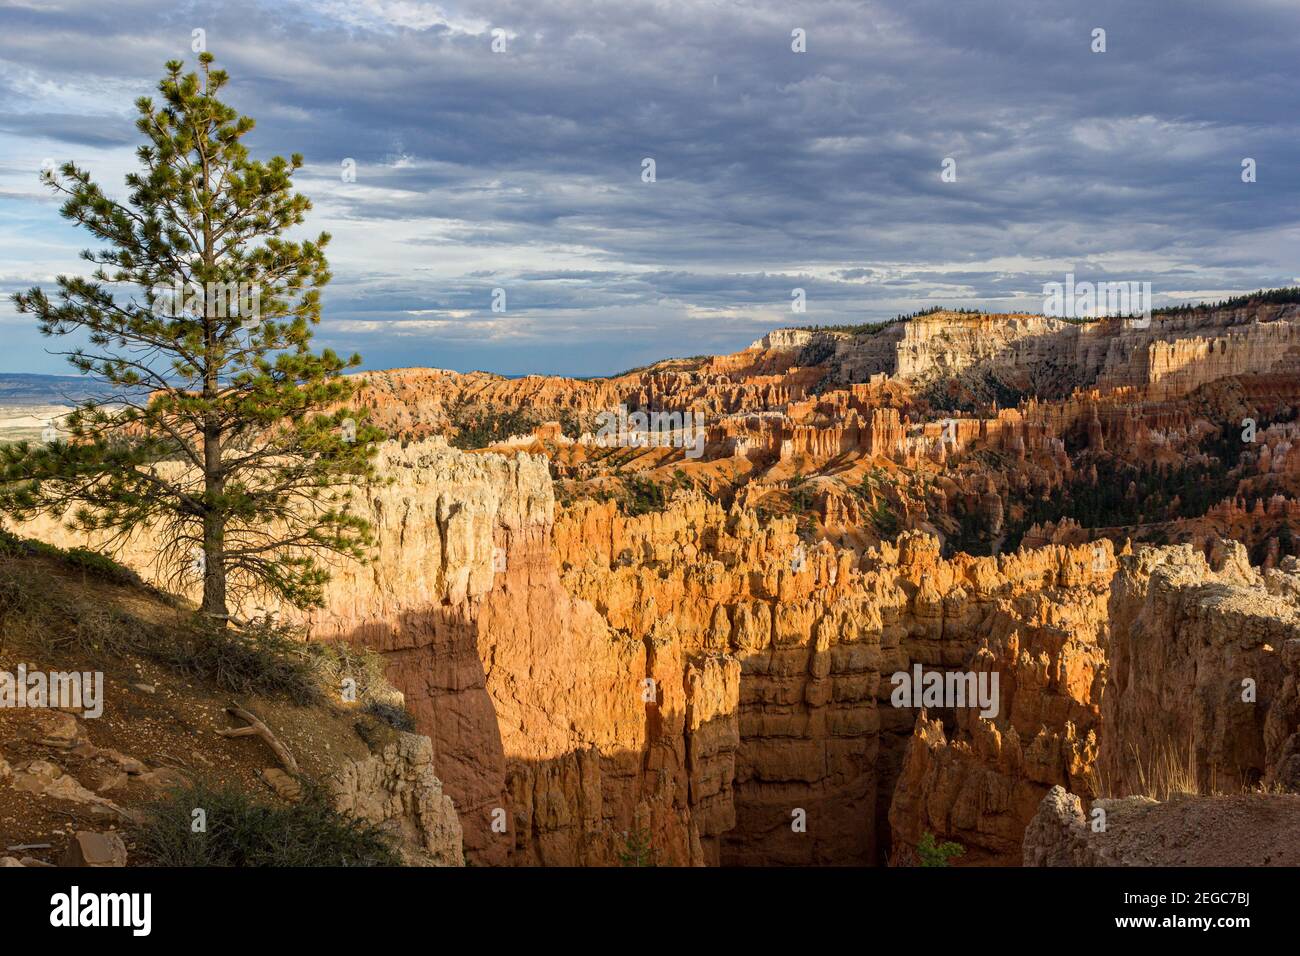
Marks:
<point>1246,829</point>
<point>73,783</point>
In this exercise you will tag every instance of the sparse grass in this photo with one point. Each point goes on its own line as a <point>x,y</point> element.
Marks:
<point>267,658</point>
<point>239,831</point>
<point>1169,771</point>
<point>263,659</point>
<point>399,718</point>
<point>36,613</point>
<point>81,559</point>
<point>44,612</point>
<point>1274,788</point>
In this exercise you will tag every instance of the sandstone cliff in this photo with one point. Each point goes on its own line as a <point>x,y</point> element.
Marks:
<point>693,674</point>
<point>1202,672</point>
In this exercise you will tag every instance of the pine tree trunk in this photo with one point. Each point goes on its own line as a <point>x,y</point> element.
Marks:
<point>214,522</point>
<point>214,530</point>
<point>214,570</point>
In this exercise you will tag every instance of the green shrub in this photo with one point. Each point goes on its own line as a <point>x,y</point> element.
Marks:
<point>644,495</point>
<point>802,494</point>
<point>481,426</point>
<point>933,853</point>
<point>240,831</point>
<point>636,849</point>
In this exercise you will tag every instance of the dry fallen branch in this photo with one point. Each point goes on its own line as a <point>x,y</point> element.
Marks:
<point>255,726</point>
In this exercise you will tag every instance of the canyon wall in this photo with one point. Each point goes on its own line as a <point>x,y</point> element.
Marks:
<point>1203,671</point>
<point>545,733</point>
<point>1198,757</point>
<point>695,678</point>
<point>1183,679</point>
<point>980,781</point>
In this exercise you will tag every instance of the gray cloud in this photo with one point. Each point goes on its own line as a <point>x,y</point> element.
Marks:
<point>775,170</point>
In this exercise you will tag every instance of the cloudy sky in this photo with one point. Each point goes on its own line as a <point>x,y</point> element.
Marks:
<point>775,170</point>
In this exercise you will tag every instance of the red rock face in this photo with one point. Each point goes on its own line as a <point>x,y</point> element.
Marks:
<point>1203,659</point>
<point>767,704</point>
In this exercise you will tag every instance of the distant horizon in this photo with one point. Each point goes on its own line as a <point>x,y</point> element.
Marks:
<point>1227,295</point>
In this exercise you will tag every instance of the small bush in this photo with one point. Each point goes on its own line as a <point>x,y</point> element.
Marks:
<point>399,718</point>
<point>933,853</point>
<point>263,659</point>
<point>636,849</point>
<point>335,661</point>
<point>243,832</point>
<point>99,632</point>
<point>15,598</point>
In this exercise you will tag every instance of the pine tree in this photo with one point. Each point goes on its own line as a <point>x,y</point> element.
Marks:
<point>225,434</point>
